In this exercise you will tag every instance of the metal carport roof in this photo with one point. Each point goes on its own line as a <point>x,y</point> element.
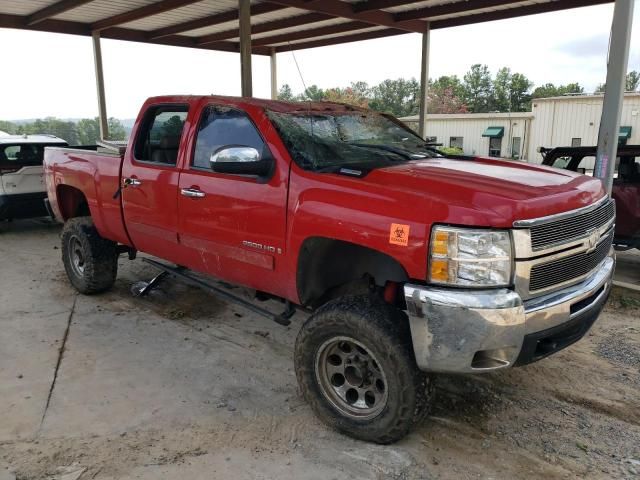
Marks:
<point>278,24</point>
<point>268,27</point>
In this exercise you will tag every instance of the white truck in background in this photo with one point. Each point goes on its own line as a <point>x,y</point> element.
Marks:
<point>22,188</point>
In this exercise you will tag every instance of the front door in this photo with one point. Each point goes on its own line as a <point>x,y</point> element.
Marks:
<point>231,225</point>
<point>150,182</point>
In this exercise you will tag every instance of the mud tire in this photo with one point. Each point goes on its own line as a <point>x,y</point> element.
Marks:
<point>99,257</point>
<point>384,331</point>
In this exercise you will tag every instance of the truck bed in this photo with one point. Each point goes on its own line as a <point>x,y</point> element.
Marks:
<point>94,171</point>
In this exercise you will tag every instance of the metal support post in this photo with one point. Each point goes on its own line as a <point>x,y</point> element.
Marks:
<point>424,81</point>
<point>274,75</point>
<point>102,103</point>
<point>245,47</point>
<point>614,92</point>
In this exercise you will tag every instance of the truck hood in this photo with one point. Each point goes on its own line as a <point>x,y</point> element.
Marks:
<point>501,190</point>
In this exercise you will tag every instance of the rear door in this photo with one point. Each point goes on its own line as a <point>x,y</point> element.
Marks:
<point>235,227</point>
<point>150,181</point>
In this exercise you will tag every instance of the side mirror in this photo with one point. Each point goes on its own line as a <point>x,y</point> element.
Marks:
<point>240,160</point>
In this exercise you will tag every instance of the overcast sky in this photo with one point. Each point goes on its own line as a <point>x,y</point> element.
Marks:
<point>52,75</point>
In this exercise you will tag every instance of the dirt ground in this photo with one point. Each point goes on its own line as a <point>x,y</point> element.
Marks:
<point>182,385</point>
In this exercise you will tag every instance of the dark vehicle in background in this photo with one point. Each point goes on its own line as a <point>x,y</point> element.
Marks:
<point>626,184</point>
<point>22,189</point>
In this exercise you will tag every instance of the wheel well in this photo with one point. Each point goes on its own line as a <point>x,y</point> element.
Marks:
<point>72,202</point>
<point>325,265</point>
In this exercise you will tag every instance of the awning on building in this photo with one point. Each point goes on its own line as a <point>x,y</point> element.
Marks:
<point>494,132</point>
<point>624,134</point>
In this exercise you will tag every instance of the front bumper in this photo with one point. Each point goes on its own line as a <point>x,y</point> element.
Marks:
<point>482,330</point>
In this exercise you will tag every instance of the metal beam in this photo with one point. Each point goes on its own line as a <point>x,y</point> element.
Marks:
<point>218,18</point>
<point>346,10</point>
<point>118,33</point>
<point>266,27</point>
<point>357,37</point>
<point>53,10</point>
<point>614,92</point>
<point>274,75</point>
<point>244,7</point>
<point>312,33</point>
<point>139,13</point>
<point>424,82</point>
<point>102,103</point>
<point>448,9</point>
<point>513,12</point>
<point>367,5</point>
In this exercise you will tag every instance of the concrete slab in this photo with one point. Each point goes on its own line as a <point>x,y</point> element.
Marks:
<point>33,318</point>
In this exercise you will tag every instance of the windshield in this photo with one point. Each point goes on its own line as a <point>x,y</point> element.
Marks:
<point>334,140</point>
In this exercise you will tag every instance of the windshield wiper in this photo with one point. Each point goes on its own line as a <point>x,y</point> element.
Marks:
<point>388,148</point>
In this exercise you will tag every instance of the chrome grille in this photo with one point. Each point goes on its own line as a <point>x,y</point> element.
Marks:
<point>566,229</point>
<point>564,269</point>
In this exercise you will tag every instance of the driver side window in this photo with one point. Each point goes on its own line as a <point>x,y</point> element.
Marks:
<point>223,126</point>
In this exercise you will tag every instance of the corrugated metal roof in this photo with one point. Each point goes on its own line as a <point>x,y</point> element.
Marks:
<point>276,24</point>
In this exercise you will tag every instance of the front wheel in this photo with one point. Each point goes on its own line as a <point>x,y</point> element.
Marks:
<point>355,366</point>
<point>91,262</point>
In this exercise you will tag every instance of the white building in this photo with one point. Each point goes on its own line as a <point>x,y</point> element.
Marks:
<point>552,122</point>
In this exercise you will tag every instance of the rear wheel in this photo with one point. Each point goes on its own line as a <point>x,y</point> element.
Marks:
<point>91,262</point>
<point>355,366</point>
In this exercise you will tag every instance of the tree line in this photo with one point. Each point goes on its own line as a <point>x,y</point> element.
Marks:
<point>478,91</point>
<point>81,132</point>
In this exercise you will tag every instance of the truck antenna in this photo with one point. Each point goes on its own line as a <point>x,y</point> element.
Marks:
<point>304,85</point>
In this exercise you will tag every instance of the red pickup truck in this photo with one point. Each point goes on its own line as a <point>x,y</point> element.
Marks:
<point>410,262</point>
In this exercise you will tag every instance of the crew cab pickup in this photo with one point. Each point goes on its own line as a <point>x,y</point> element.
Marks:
<point>410,262</point>
<point>626,185</point>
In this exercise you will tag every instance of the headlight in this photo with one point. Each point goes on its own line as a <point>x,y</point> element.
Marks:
<point>460,256</point>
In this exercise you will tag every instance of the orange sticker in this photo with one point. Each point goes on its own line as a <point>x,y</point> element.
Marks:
<point>399,234</point>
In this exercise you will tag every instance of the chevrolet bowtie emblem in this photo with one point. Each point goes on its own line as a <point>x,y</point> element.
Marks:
<point>592,241</point>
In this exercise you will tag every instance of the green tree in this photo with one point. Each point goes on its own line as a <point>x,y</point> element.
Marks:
<point>501,92</point>
<point>478,88</point>
<point>571,88</point>
<point>118,132</point>
<point>632,81</point>
<point>285,93</point>
<point>312,94</point>
<point>444,100</point>
<point>520,98</point>
<point>550,90</point>
<point>347,95</point>
<point>88,131</point>
<point>361,89</point>
<point>8,127</point>
<point>399,97</point>
<point>448,82</point>
<point>545,91</point>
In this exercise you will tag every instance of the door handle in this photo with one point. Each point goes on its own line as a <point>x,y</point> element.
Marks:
<point>131,182</point>
<point>192,193</point>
